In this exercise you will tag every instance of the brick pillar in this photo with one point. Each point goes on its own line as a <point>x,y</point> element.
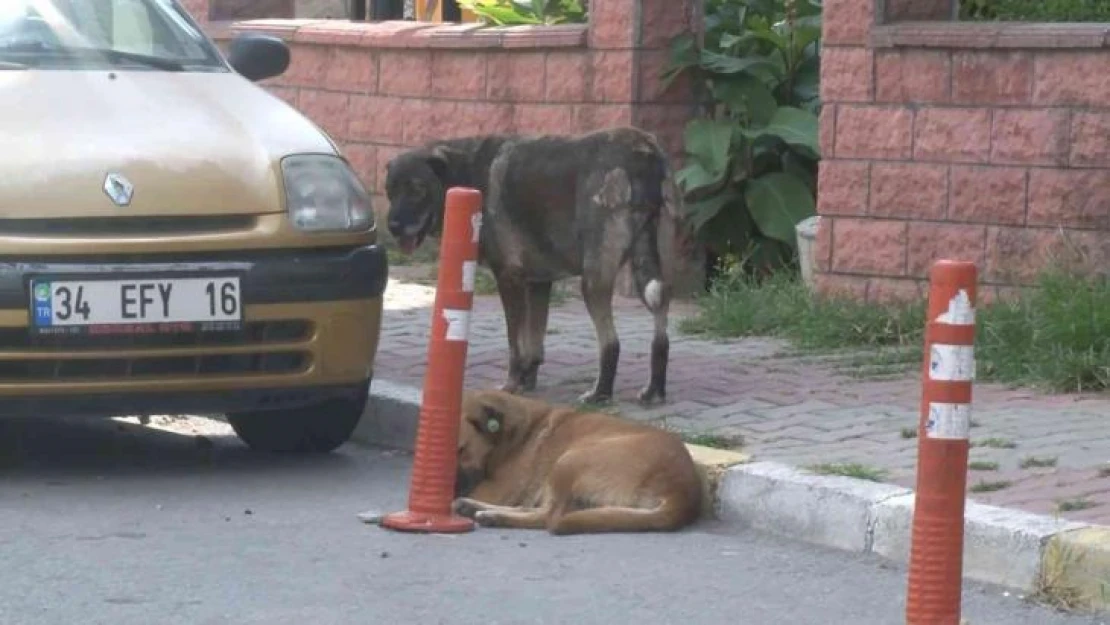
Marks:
<point>633,36</point>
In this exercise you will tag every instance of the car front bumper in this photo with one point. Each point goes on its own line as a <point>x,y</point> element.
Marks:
<point>312,320</point>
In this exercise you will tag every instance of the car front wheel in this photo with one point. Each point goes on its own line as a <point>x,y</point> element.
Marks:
<point>320,428</point>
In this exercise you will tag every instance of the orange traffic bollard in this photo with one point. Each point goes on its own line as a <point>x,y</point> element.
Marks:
<point>936,552</point>
<point>432,487</point>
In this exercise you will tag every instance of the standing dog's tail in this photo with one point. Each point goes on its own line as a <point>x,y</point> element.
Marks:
<point>651,269</point>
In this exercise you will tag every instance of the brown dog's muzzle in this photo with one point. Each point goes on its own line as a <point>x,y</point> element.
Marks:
<point>465,481</point>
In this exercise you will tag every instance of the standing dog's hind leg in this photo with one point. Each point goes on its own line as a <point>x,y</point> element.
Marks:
<point>660,353</point>
<point>533,333</point>
<point>599,303</point>
<point>655,293</point>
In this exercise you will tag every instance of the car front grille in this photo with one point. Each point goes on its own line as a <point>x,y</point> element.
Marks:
<point>125,226</point>
<point>253,333</point>
<point>53,358</point>
<point>83,369</point>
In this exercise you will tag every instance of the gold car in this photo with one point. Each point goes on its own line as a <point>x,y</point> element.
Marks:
<point>173,238</point>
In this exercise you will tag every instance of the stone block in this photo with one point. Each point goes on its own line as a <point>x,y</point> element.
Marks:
<point>909,190</point>
<point>993,195</point>
<point>846,75</point>
<point>869,246</point>
<point>929,242</point>
<point>1030,137</point>
<point>961,135</point>
<point>1071,77</point>
<point>516,77</point>
<point>992,77</point>
<point>405,73</point>
<point>842,187</point>
<point>912,76</point>
<point>1069,198</point>
<point>879,132</point>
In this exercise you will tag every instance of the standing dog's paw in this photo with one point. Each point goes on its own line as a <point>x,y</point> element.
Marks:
<point>594,397</point>
<point>650,395</point>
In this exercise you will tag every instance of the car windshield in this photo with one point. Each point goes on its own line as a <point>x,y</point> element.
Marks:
<point>96,34</point>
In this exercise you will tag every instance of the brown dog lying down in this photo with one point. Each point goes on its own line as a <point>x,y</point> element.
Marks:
<point>524,463</point>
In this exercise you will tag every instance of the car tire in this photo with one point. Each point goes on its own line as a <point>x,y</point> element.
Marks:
<point>320,428</point>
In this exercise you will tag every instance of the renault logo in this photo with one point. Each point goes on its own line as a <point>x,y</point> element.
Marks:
<point>119,189</point>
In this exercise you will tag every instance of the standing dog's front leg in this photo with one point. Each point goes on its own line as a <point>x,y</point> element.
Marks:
<point>534,332</point>
<point>513,294</point>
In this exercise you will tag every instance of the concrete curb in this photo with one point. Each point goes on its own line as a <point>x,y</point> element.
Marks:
<point>1061,561</point>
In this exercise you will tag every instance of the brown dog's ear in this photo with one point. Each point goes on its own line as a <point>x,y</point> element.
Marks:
<point>492,421</point>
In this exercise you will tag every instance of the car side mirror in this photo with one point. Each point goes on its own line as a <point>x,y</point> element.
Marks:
<point>257,57</point>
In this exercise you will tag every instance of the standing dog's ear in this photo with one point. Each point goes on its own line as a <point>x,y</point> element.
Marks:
<point>438,158</point>
<point>492,421</point>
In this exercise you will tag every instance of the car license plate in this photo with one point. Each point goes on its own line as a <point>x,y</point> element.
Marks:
<point>135,305</point>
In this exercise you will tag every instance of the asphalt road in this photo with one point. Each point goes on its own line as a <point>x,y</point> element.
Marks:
<point>107,522</point>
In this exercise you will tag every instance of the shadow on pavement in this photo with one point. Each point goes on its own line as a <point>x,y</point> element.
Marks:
<point>96,449</point>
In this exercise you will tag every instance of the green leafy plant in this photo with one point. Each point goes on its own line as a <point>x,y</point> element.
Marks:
<point>752,154</point>
<point>1036,10</point>
<point>522,12</point>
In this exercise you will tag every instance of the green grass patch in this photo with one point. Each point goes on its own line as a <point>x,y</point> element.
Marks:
<point>716,441</point>
<point>1073,505</point>
<point>982,465</point>
<point>484,282</point>
<point>1033,462</point>
<point>849,469</point>
<point>989,487</point>
<point>1054,337</point>
<point>1035,10</point>
<point>909,432</point>
<point>995,443</point>
<point>781,306</point>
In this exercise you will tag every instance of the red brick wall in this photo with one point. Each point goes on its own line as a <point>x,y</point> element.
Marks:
<point>982,142</point>
<point>378,88</point>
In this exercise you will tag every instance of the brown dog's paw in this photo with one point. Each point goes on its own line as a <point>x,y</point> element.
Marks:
<point>466,507</point>
<point>486,518</point>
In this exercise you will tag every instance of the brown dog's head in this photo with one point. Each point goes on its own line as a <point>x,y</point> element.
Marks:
<point>416,185</point>
<point>481,428</point>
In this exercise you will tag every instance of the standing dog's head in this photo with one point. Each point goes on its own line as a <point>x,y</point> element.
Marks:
<point>416,185</point>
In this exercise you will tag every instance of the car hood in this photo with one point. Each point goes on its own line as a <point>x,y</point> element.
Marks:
<point>189,143</point>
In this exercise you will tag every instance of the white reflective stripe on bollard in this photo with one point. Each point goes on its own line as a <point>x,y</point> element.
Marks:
<point>458,324</point>
<point>951,363</point>
<point>469,271</point>
<point>949,421</point>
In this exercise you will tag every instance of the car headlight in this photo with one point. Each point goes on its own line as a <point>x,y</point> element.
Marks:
<point>324,195</point>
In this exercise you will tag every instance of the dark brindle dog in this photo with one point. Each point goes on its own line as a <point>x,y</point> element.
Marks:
<point>554,207</point>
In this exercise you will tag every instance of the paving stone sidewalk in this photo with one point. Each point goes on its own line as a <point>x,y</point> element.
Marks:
<point>788,408</point>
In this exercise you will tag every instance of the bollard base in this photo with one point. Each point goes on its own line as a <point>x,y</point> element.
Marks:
<point>409,521</point>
